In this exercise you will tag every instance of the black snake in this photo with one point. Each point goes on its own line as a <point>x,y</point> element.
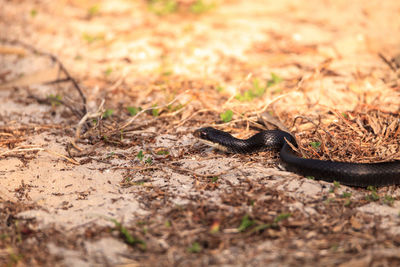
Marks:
<point>353,174</point>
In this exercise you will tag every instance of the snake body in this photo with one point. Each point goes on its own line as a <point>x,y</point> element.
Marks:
<point>353,174</point>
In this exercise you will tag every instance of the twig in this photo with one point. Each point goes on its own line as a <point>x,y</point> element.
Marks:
<point>388,62</point>
<point>317,126</point>
<point>31,149</point>
<point>60,65</point>
<point>87,116</point>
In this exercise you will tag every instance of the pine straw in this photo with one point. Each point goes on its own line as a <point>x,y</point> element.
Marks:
<point>373,136</point>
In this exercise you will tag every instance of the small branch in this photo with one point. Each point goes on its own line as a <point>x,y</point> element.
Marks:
<point>60,65</point>
<point>37,149</point>
<point>388,62</point>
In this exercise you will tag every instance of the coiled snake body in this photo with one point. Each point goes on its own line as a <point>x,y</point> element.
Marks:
<point>353,174</point>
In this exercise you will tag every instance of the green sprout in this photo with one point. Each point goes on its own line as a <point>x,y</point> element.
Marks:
<point>226,116</point>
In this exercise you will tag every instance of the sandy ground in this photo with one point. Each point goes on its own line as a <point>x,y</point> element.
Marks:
<point>124,53</point>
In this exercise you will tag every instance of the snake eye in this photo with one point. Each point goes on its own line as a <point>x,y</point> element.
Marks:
<point>203,135</point>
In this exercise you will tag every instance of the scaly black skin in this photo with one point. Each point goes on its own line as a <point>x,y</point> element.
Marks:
<point>353,174</point>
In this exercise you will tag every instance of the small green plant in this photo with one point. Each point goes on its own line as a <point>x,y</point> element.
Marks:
<point>148,161</point>
<point>133,110</point>
<point>140,155</point>
<point>128,238</point>
<point>310,177</point>
<point>374,195</point>
<point>167,72</point>
<point>172,108</point>
<point>388,200</point>
<point>108,71</point>
<point>15,258</point>
<point>315,145</point>
<point>275,79</point>
<point>137,183</point>
<point>55,100</point>
<point>336,184</point>
<point>93,10</point>
<point>346,195</point>
<point>167,224</point>
<point>214,179</point>
<point>34,13</point>
<point>107,114</point>
<point>200,7</point>
<point>162,152</point>
<point>282,216</point>
<point>195,248</point>
<point>226,116</point>
<point>257,90</point>
<point>245,223</point>
<point>90,38</point>
<point>155,111</point>
<point>219,89</point>
<point>162,7</point>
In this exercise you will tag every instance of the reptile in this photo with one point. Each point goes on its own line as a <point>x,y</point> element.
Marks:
<point>347,173</point>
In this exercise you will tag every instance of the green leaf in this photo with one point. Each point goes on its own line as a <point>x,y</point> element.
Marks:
<point>219,88</point>
<point>336,184</point>
<point>246,223</point>
<point>195,248</point>
<point>108,71</point>
<point>282,216</point>
<point>315,144</point>
<point>155,111</point>
<point>388,200</point>
<point>149,160</point>
<point>140,155</point>
<point>34,13</point>
<point>107,113</point>
<point>346,195</point>
<point>128,238</point>
<point>162,152</point>
<point>200,7</point>
<point>93,10</point>
<point>163,7</point>
<point>55,100</point>
<point>256,91</point>
<point>214,179</point>
<point>90,38</point>
<point>133,110</point>
<point>226,116</point>
<point>275,79</point>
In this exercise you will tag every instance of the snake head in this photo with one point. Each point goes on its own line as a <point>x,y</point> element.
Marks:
<point>205,133</point>
<point>213,137</point>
